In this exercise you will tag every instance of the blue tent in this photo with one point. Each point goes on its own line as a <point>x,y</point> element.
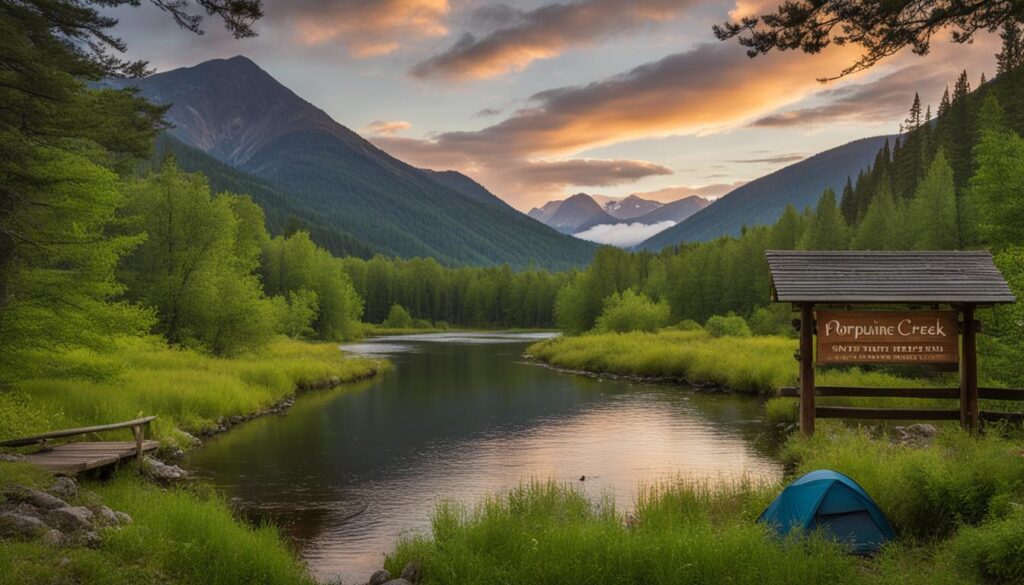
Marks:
<point>833,503</point>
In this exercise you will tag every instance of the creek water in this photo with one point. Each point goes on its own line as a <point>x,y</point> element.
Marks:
<point>345,472</point>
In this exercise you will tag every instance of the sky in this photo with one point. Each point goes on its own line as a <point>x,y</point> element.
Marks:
<point>538,99</point>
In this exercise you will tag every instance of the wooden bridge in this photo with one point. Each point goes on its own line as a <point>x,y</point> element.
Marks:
<point>72,458</point>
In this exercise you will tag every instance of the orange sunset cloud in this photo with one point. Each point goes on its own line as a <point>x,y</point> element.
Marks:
<point>368,29</point>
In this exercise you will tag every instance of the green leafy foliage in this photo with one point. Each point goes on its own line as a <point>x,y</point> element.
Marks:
<point>398,318</point>
<point>195,268</point>
<point>294,263</point>
<point>727,326</point>
<point>632,311</point>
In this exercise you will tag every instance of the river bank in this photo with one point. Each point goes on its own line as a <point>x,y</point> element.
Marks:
<point>954,504</point>
<point>182,534</point>
<point>757,365</point>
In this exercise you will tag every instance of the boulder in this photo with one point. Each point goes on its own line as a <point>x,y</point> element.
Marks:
<point>70,518</point>
<point>65,488</point>
<point>380,577</point>
<point>411,572</point>
<point>123,518</point>
<point>23,526</point>
<point>398,582</point>
<point>37,499</point>
<point>161,471</point>
<point>53,537</point>
<point>107,516</point>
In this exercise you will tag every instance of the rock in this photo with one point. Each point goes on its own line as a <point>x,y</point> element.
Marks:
<point>380,577</point>
<point>411,572</point>
<point>916,435</point>
<point>65,488</point>
<point>107,516</point>
<point>70,518</point>
<point>398,582</point>
<point>15,525</point>
<point>37,499</point>
<point>53,537</point>
<point>11,457</point>
<point>123,519</point>
<point>177,455</point>
<point>159,470</point>
<point>922,430</point>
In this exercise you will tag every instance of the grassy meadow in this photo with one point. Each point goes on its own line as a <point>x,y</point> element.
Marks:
<point>956,506</point>
<point>177,536</point>
<point>754,365</point>
<point>188,390</point>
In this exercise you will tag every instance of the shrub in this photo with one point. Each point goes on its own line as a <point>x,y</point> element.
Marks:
<point>632,311</point>
<point>728,326</point>
<point>421,324</point>
<point>995,550</point>
<point>442,325</point>
<point>687,325</point>
<point>398,318</point>
<point>774,319</point>
<point>926,492</point>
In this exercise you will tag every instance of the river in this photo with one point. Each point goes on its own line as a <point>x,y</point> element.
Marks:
<point>347,471</point>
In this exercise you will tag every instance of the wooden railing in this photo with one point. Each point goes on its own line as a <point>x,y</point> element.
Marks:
<point>137,426</point>
<point>1009,394</point>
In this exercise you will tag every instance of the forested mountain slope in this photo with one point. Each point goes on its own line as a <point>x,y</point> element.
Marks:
<point>762,201</point>
<point>236,112</point>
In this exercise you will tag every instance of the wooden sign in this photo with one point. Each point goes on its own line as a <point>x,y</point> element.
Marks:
<point>887,337</point>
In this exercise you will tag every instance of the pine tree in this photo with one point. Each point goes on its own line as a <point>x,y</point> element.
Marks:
<point>961,137</point>
<point>1012,54</point>
<point>848,202</point>
<point>997,189</point>
<point>882,224</point>
<point>932,214</point>
<point>908,156</point>
<point>828,230</point>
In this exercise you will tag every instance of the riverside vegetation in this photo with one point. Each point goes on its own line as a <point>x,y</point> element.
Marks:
<point>128,287</point>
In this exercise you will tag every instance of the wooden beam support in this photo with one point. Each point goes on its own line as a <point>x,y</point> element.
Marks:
<point>807,411</point>
<point>969,371</point>
<point>887,413</point>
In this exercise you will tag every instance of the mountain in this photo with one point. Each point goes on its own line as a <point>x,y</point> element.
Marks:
<point>579,213</point>
<point>544,212</point>
<point>235,112</point>
<point>763,200</point>
<point>631,207</point>
<point>676,211</point>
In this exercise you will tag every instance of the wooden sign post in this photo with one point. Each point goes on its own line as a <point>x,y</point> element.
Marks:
<point>837,281</point>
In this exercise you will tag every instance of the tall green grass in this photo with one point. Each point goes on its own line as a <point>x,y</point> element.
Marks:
<point>927,492</point>
<point>186,389</point>
<point>757,365</point>
<point>545,533</point>
<point>177,537</point>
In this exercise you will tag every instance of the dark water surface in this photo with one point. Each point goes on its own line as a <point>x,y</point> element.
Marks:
<point>346,471</point>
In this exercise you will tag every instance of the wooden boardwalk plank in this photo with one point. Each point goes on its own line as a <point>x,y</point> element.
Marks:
<point>78,457</point>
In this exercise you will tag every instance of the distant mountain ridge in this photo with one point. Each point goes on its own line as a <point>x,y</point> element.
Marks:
<point>577,214</point>
<point>631,207</point>
<point>763,200</point>
<point>235,112</point>
<point>676,211</point>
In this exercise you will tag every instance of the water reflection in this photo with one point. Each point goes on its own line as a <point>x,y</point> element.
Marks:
<point>346,471</point>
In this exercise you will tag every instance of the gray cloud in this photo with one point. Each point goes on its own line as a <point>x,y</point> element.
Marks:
<point>781,158</point>
<point>516,38</point>
<point>885,99</point>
